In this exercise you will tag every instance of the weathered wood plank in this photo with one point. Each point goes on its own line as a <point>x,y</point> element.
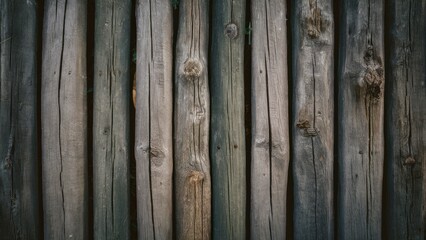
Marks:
<point>64,120</point>
<point>191,123</point>
<point>19,162</point>
<point>313,118</point>
<point>270,130</point>
<point>406,120</point>
<point>154,119</point>
<point>111,119</point>
<point>228,150</point>
<point>360,120</point>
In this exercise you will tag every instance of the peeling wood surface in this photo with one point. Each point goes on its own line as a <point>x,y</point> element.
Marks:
<point>154,118</point>
<point>19,163</point>
<point>313,118</point>
<point>360,120</point>
<point>64,120</point>
<point>227,147</point>
<point>111,120</point>
<point>406,120</point>
<point>270,131</point>
<point>191,123</point>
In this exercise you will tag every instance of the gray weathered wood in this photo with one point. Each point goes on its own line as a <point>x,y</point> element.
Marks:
<point>64,120</point>
<point>313,118</point>
<point>227,148</point>
<point>154,119</point>
<point>360,120</point>
<point>19,163</point>
<point>111,119</point>
<point>270,130</point>
<point>406,120</point>
<point>191,123</point>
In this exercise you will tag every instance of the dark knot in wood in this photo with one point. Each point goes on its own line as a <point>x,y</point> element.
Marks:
<point>409,161</point>
<point>231,30</point>
<point>192,68</point>
<point>373,74</point>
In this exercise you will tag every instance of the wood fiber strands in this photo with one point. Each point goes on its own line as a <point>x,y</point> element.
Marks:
<point>154,102</point>
<point>111,119</point>
<point>64,120</point>
<point>360,139</point>
<point>191,123</point>
<point>270,130</point>
<point>313,118</point>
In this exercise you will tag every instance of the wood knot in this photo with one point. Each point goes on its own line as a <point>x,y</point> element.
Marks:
<point>303,124</point>
<point>409,161</point>
<point>373,74</point>
<point>314,22</point>
<point>192,68</point>
<point>231,30</point>
<point>196,177</point>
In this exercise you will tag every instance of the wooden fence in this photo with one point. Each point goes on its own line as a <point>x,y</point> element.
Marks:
<point>253,119</point>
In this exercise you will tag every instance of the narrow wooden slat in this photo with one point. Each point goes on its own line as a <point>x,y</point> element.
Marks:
<point>64,120</point>
<point>111,119</point>
<point>191,123</point>
<point>406,120</point>
<point>313,118</point>
<point>154,117</point>
<point>270,131</point>
<point>19,162</point>
<point>227,120</point>
<point>360,140</point>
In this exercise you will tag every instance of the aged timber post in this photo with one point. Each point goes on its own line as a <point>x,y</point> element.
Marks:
<point>154,119</point>
<point>111,119</point>
<point>312,121</point>
<point>406,120</point>
<point>191,123</point>
<point>19,195</point>
<point>360,120</point>
<point>64,121</point>
<point>227,148</point>
<point>270,141</point>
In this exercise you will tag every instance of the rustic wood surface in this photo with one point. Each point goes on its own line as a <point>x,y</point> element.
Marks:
<point>227,147</point>
<point>19,164</point>
<point>270,119</point>
<point>360,142</point>
<point>313,118</point>
<point>191,123</point>
<point>111,119</point>
<point>406,120</point>
<point>154,118</point>
<point>64,120</point>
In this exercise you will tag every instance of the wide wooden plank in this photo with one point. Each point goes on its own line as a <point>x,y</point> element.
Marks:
<point>227,147</point>
<point>360,140</point>
<point>313,118</point>
<point>406,120</point>
<point>64,120</point>
<point>19,162</point>
<point>111,119</point>
<point>191,123</point>
<point>154,119</point>
<point>270,120</point>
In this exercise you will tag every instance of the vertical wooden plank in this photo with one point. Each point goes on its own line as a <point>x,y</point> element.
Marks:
<point>270,141</point>
<point>64,120</point>
<point>313,118</point>
<point>360,120</point>
<point>111,119</point>
<point>191,123</point>
<point>227,120</point>
<point>154,119</point>
<point>406,120</point>
<point>19,195</point>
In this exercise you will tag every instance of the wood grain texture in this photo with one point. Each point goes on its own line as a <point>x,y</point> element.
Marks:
<point>313,118</point>
<point>64,120</point>
<point>227,147</point>
<point>360,120</point>
<point>111,119</point>
<point>191,123</point>
<point>406,120</point>
<point>19,162</point>
<point>270,119</point>
<point>154,119</point>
